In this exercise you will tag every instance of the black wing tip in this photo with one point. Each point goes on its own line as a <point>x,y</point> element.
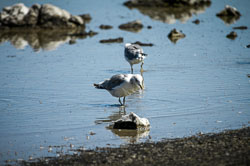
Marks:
<point>98,86</point>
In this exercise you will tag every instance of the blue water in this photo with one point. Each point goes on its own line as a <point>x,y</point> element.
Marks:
<point>199,84</point>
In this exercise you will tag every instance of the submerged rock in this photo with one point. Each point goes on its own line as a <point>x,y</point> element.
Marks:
<point>105,27</point>
<point>133,26</point>
<point>116,40</point>
<point>169,11</point>
<point>232,35</point>
<point>143,44</point>
<point>229,14</point>
<point>197,21</point>
<point>42,16</point>
<point>175,35</point>
<point>86,17</point>
<point>248,46</point>
<point>131,121</point>
<point>240,27</point>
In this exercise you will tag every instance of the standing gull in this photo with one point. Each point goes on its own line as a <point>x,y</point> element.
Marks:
<point>134,54</point>
<point>122,85</point>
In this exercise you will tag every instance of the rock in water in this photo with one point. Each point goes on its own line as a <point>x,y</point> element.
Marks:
<point>32,17</point>
<point>133,26</point>
<point>232,35</point>
<point>116,40</point>
<point>52,15</point>
<point>42,16</point>
<point>131,121</point>
<point>175,35</point>
<point>14,15</point>
<point>229,14</point>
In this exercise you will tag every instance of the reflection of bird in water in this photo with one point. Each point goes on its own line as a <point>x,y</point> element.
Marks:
<point>134,54</point>
<point>122,85</point>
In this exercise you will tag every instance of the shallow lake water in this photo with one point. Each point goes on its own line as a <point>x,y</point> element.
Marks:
<point>48,105</point>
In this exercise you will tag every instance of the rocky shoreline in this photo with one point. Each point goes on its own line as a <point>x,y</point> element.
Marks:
<point>226,148</point>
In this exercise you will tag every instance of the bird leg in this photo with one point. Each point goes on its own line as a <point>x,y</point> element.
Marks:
<point>131,69</point>
<point>120,101</point>
<point>124,100</point>
<point>141,66</point>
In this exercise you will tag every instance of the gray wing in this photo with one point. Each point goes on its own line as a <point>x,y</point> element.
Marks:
<point>133,51</point>
<point>115,81</point>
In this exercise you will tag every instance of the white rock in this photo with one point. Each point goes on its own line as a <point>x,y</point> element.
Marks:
<point>14,15</point>
<point>49,11</point>
<point>131,121</point>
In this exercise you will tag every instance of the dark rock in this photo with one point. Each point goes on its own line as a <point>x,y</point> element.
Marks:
<point>133,26</point>
<point>248,46</point>
<point>229,14</point>
<point>125,125</point>
<point>149,27</point>
<point>84,34</point>
<point>91,33</point>
<point>143,44</point>
<point>76,20</point>
<point>32,17</point>
<point>248,75</point>
<point>196,21</point>
<point>175,35</point>
<point>240,27</point>
<point>232,35</point>
<point>105,27</point>
<point>116,40</point>
<point>72,41</point>
<point>86,17</point>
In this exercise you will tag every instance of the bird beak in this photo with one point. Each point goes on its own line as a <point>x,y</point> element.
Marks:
<point>144,54</point>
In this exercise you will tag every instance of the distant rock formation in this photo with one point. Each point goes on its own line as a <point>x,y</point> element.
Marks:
<point>42,16</point>
<point>41,26</point>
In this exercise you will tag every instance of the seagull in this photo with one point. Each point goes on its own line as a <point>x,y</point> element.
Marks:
<point>122,85</point>
<point>134,54</point>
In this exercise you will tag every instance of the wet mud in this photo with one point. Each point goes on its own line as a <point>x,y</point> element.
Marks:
<point>225,148</point>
